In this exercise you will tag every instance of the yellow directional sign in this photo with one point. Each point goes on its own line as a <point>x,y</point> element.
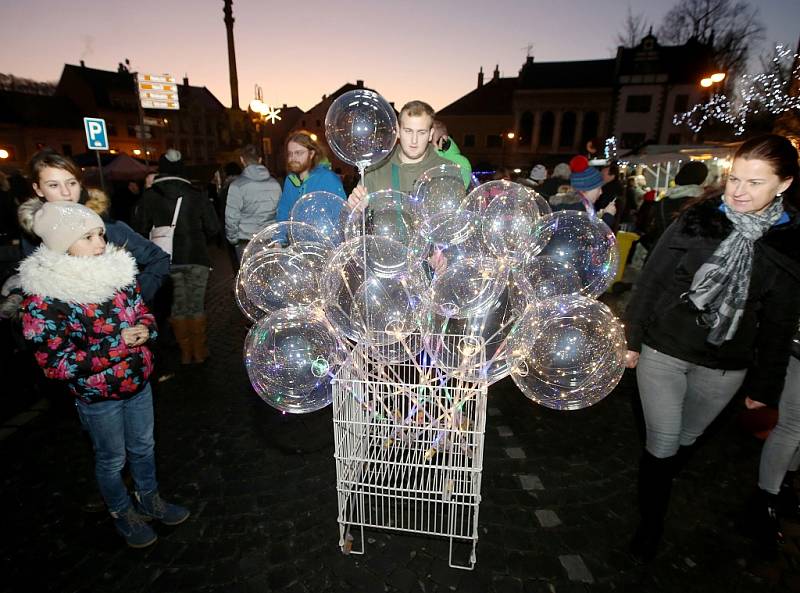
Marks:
<point>157,91</point>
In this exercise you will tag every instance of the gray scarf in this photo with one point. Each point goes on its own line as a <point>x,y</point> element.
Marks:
<point>720,286</point>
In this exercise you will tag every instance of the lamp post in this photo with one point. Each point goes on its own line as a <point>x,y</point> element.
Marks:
<point>709,83</point>
<point>508,138</point>
<point>261,113</point>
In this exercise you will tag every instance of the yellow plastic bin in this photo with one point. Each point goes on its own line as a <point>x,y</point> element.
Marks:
<point>625,240</point>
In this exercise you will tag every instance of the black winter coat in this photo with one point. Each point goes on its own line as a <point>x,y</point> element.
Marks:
<point>197,221</point>
<point>659,317</point>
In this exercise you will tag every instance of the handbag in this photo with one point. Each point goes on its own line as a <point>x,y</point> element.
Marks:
<point>163,235</point>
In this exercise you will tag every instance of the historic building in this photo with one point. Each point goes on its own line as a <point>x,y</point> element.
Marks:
<point>550,109</point>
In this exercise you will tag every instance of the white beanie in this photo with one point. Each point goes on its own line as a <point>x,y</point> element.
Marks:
<point>60,224</point>
<point>538,173</point>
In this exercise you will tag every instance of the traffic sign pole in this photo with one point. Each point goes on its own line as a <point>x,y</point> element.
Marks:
<point>100,169</point>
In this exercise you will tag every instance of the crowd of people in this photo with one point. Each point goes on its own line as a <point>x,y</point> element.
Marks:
<point>713,313</point>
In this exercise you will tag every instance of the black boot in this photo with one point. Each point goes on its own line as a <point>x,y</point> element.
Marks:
<point>655,487</point>
<point>761,521</point>
<point>788,503</point>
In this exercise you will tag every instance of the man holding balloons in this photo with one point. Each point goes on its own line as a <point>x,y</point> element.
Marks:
<point>413,155</point>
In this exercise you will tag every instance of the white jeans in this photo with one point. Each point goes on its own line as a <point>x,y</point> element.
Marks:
<point>680,399</point>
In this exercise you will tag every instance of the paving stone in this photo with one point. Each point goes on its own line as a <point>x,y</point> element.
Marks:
<point>576,568</point>
<point>547,518</point>
<point>514,452</point>
<point>505,432</point>
<point>531,482</point>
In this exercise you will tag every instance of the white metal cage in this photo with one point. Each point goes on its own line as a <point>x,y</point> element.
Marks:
<point>408,437</point>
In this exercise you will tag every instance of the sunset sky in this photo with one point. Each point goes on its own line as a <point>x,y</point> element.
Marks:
<point>297,51</point>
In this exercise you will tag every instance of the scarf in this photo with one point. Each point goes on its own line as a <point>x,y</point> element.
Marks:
<point>720,286</point>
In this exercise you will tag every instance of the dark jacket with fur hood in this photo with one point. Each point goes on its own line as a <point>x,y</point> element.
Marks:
<point>659,317</point>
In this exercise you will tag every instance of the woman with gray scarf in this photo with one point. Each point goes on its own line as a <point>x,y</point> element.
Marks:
<point>718,296</point>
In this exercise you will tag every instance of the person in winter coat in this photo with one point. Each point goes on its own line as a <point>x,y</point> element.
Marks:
<point>448,149</point>
<point>556,184</point>
<point>717,295</point>
<point>587,184</point>
<point>88,325</point>
<point>252,201</point>
<point>197,223</point>
<point>309,170</point>
<point>56,178</point>
<point>688,184</point>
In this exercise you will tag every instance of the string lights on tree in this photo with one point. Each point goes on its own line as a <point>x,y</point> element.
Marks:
<point>767,92</point>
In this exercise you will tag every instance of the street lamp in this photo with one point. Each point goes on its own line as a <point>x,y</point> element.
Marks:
<point>261,113</point>
<point>4,154</point>
<point>715,78</point>
<point>510,135</point>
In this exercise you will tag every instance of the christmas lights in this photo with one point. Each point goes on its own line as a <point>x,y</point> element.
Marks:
<point>757,93</point>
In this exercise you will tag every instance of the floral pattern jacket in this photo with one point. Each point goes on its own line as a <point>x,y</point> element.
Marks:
<point>73,313</point>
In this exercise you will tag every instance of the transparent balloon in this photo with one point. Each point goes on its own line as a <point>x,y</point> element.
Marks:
<point>467,287</point>
<point>370,292</point>
<point>284,234</point>
<point>567,352</point>
<point>389,213</point>
<point>509,217</point>
<point>540,277</point>
<point>439,190</point>
<point>325,211</point>
<point>478,352</point>
<point>246,306</point>
<point>291,357</point>
<point>455,236</point>
<point>279,278</point>
<point>361,127</point>
<point>584,242</point>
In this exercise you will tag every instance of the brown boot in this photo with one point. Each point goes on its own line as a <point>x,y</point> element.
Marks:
<point>197,327</point>
<point>182,331</point>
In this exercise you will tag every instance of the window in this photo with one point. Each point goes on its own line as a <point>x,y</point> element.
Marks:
<point>674,139</point>
<point>494,141</point>
<point>681,104</point>
<point>525,128</point>
<point>638,103</point>
<point>591,124</point>
<point>632,139</point>
<point>568,123</point>
<point>546,128</point>
<point>469,140</point>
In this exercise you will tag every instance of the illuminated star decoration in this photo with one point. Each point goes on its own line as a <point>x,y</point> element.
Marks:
<point>271,114</point>
<point>766,91</point>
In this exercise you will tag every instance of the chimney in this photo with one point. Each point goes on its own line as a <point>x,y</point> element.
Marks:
<point>480,77</point>
<point>185,80</point>
<point>360,84</point>
<point>284,106</point>
<point>83,64</point>
<point>228,10</point>
<point>120,67</point>
<point>496,73</point>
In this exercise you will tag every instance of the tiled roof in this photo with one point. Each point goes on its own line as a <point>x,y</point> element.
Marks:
<point>38,110</point>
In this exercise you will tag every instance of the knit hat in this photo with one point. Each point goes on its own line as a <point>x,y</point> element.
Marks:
<point>692,173</point>
<point>170,164</point>
<point>538,173</point>
<point>584,177</point>
<point>562,170</point>
<point>60,224</point>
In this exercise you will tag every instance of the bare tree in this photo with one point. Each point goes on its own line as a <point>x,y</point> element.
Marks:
<point>634,28</point>
<point>733,27</point>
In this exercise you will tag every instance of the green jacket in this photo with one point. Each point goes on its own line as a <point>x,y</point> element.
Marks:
<point>453,154</point>
<point>394,174</point>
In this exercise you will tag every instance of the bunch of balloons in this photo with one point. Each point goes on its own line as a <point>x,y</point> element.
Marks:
<point>478,284</point>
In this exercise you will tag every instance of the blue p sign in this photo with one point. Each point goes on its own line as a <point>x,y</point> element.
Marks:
<point>96,136</point>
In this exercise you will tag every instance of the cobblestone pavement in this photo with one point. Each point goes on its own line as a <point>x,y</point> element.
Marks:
<point>557,511</point>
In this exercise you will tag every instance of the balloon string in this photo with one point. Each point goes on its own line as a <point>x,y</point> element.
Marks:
<point>363,182</point>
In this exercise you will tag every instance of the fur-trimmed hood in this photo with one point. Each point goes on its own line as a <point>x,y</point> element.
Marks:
<point>81,280</point>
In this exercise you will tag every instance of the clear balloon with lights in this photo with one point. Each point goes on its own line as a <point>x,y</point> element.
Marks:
<point>509,213</point>
<point>282,266</point>
<point>291,357</point>
<point>361,128</point>
<point>246,306</point>
<point>439,190</point>
<point>325,211</point>
<point>388,213</point>
<point>467,287</point>
<point>584,242</point>
<point>540,277</point>
<point>568,352</point>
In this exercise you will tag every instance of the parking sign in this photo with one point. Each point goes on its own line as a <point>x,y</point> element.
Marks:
<point>96,136</point>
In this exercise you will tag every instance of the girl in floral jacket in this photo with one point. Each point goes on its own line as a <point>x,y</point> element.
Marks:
<point>88,325</point>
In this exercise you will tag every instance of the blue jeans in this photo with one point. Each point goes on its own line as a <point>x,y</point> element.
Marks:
<point>780,452</point>
<point>120,430</point>
<point>680,399</point>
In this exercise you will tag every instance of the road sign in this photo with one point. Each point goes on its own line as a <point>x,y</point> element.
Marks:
<point>157,91</point>
<point>96,134</point>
